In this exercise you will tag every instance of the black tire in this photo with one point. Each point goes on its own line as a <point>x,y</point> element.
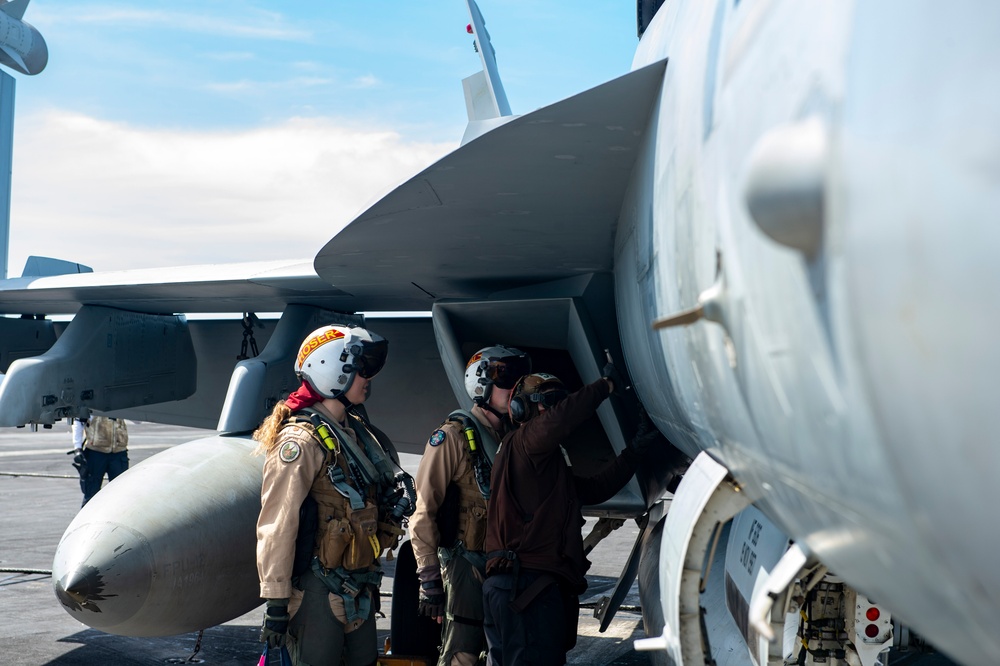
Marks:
<point>411,635</point>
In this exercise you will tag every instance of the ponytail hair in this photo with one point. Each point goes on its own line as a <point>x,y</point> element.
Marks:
<point>267,434</point>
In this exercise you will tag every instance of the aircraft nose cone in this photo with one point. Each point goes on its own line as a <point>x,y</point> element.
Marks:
<point>102,574</point>
<point>81,589</point>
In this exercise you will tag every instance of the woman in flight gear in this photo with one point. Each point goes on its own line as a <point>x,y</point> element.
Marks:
<point>326,479</point>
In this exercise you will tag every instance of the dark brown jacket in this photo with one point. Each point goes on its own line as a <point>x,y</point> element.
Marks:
<point>535,508</point>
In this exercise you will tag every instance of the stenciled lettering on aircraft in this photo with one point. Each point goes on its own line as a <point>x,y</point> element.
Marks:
<point>748,553</point>
<point>186,572</point>
<point>317,341</point>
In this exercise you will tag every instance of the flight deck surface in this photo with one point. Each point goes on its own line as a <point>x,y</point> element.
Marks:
<point>39,496</point>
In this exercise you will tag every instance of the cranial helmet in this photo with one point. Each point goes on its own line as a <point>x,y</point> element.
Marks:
<point>330,357</point>
<point>494,366</point>
<point>538,389</point>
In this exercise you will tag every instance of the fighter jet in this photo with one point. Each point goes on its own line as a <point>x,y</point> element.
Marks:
<point>780,221</point>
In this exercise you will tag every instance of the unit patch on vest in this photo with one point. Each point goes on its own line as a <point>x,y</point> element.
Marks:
<point>289,452</point>
<point>437,437</point>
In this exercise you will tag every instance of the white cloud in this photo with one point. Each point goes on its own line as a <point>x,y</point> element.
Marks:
<point>366,81</point>
<point>258,87</point>
<point>114,196</point>
<point>230,56</point>
<point>268,25</point>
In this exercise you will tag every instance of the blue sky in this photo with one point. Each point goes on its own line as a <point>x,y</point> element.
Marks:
<point>158,123</point>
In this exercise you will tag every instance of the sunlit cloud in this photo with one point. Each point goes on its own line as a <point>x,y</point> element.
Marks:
<point>267,25</point>
<point>124,197</point>
<point>233,86</point>
<point>367,81</point>
<point>295,83</point>
<point>231,56</point>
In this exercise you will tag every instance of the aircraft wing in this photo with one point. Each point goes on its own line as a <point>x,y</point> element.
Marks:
<point>266,286</point>
<point>478,222</point>
<point>128,351</point>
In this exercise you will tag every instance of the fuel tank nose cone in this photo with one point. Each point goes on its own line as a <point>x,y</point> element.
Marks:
<point>81,589</point>
<point>102,573</point>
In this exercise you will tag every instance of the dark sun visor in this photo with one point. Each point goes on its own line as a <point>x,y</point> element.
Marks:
<point>369,357</point>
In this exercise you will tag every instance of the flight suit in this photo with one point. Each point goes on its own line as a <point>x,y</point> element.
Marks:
<point>324,625</point>
<point>446,461</point>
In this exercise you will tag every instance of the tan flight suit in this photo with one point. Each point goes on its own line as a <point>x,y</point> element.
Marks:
<point>446,461</point>
<point>293,470</point>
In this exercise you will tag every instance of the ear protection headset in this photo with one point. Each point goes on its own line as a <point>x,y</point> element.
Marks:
<point>527,395</point>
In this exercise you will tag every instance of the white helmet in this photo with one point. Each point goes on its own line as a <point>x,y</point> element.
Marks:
<point>330,357</point>
<point>496,365</point>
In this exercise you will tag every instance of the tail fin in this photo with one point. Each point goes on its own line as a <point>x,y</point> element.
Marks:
<point>47,266</point>
<point>484,94</point>
<point>15,8</point>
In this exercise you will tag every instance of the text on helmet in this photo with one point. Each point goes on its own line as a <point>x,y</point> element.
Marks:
<point>317,341</point>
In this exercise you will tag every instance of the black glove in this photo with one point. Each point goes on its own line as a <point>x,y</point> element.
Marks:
<point>79,462</point>
<point>644,436</point>
<point>432,597</point>
<point>617,381</point>
<point>275,624</point>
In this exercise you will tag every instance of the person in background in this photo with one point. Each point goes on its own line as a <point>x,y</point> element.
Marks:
<point>100,445</point>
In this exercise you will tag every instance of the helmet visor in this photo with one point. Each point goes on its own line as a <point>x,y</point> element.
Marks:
<point>369,359</point>
<point>506,371</point>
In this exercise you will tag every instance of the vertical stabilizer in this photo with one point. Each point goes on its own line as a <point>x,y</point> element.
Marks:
<point>6,161</point>
<point>485,99</point>
<point>15,8</point>
<point>497,99</point>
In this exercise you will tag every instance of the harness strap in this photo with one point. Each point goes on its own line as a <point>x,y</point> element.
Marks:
<point>476,558</point>
<point>490,445</point>
<point>359,458</point>
<point>505,554</point>
<point>518,602</point>
<point>539,585</point>
<point>465,620</point>
<point>481,456</point>
<point>365,458</point>
<point>339,480</point>
<point>511,557</point>
<point>334,442</point>
<point>375,454</point>
<point>349,585</point>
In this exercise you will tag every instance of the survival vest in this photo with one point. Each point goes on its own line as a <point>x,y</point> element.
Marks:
<point>105,434</point>
<point>349,535</point>
<point>474,486</point>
